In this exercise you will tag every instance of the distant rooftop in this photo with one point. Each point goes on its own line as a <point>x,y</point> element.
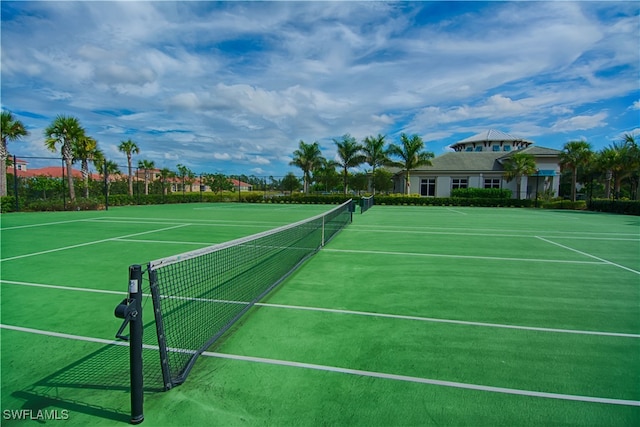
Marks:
<point>490,138</point>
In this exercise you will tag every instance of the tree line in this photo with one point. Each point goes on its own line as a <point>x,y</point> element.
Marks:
<point>613,172</point>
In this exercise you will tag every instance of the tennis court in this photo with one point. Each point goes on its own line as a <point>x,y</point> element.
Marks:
<point>409,316</point>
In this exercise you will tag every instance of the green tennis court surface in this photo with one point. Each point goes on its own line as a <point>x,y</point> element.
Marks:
<point>410,316</point>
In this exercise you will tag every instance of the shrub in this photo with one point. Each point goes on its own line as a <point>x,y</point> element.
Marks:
<point>626,207</point>
<point>481,193</point>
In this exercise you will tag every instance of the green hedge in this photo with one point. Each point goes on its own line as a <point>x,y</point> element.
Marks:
<point>565,204</point>
<point>481,193</point>
<point>451,201</point>
<point>626,207</point>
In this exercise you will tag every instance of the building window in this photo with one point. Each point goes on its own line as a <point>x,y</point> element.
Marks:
<point>428,187</point>
<point>507,148</point>
<point>469,149</point>
<point>496,148</point>
<point>459,183</point>
<point>478,148</point>
<point>492,183</point>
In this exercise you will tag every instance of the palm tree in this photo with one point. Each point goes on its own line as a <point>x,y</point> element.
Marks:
<point>12,130</point>
<point>86,149</point>
<point>350,156</point>
<point>375,154</point>
<point>66,131</point>
<point>631,162</point>
<point>165,174</point>
<point>411,156</point>
<point>129,147</point>
<point>146,165</point>
<point>575,154</point>
<point>111,169</point>
<point>326,174</point>
<point>307,157</point>
<point>518,165</point>
<point>186,175</point>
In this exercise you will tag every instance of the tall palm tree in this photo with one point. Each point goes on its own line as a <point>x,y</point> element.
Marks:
<point>350,156</point>
<point>307,157</point>
<point>631,162</point>
<point>12,130</point>
<point>411,156</point>
<point>165,174</point>
<point>112,168</point>
<point>129,148</point>
<point>66,131</point>
<point>146,165</point>
<point>518,165</point>
<point>575,154</point>
<point>86,149</point>
<point>326,174</point>
<point>186,175</point>
<point>376,155</point>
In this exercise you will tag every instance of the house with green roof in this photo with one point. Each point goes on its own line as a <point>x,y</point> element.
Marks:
<point>478,162</point>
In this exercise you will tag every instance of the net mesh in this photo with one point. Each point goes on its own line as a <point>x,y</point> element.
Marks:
<point>198,295</point>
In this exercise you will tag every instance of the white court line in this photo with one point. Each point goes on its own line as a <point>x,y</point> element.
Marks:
<point>331,310</point>
<point>456,322</point>
<point>560,261</point>
<point>173,242</point>
<point>456,211</point>
<point>450,233</point>
<point>336,369</point>
<point>90,243</point>
<point>45,224</point>
<point>255,224</point>
<point>589,255</point>
<point>401,228</point>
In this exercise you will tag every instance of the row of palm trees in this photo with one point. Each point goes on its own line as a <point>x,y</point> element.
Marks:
<point>614,164</point>
<point>408,155</point>
<point>75,145</point>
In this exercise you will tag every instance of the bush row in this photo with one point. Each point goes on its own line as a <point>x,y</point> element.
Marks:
<point>451,201</point>
<point>481,193</point>
<point>626,207</point>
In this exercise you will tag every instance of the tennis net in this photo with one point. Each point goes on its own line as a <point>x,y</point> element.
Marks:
<point>198,295</point>
<point>366,203</point>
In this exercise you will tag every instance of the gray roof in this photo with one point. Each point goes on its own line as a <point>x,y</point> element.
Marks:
<point>539,151</point>
<point>473,161</point>
<point>491,135</point>
<point>466,161</point>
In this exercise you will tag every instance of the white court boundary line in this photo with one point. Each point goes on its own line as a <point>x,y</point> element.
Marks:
<point>417,254</point>
<point>336,369</point>
<point>589,255</point>
<point>352,312</point>
<point>110,239</point>
<point>476,234</point>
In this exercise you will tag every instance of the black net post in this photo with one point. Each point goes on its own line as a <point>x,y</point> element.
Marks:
<point>131,311</point>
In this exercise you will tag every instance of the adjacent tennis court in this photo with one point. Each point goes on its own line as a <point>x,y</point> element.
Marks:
<point>409,316</point>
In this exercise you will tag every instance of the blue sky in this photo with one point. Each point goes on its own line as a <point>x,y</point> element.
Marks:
<point>232,87</point>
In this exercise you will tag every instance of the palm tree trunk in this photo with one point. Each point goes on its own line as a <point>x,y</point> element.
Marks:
<point>85,178</point>
<point>574,182</point>
<point>130,177</point>
<point>72,191</point>
<point>3,170</point>
<point>408,184</point>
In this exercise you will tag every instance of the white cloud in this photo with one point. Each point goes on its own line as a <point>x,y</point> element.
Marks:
<point>582,122</point>
<point>212,82</point>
